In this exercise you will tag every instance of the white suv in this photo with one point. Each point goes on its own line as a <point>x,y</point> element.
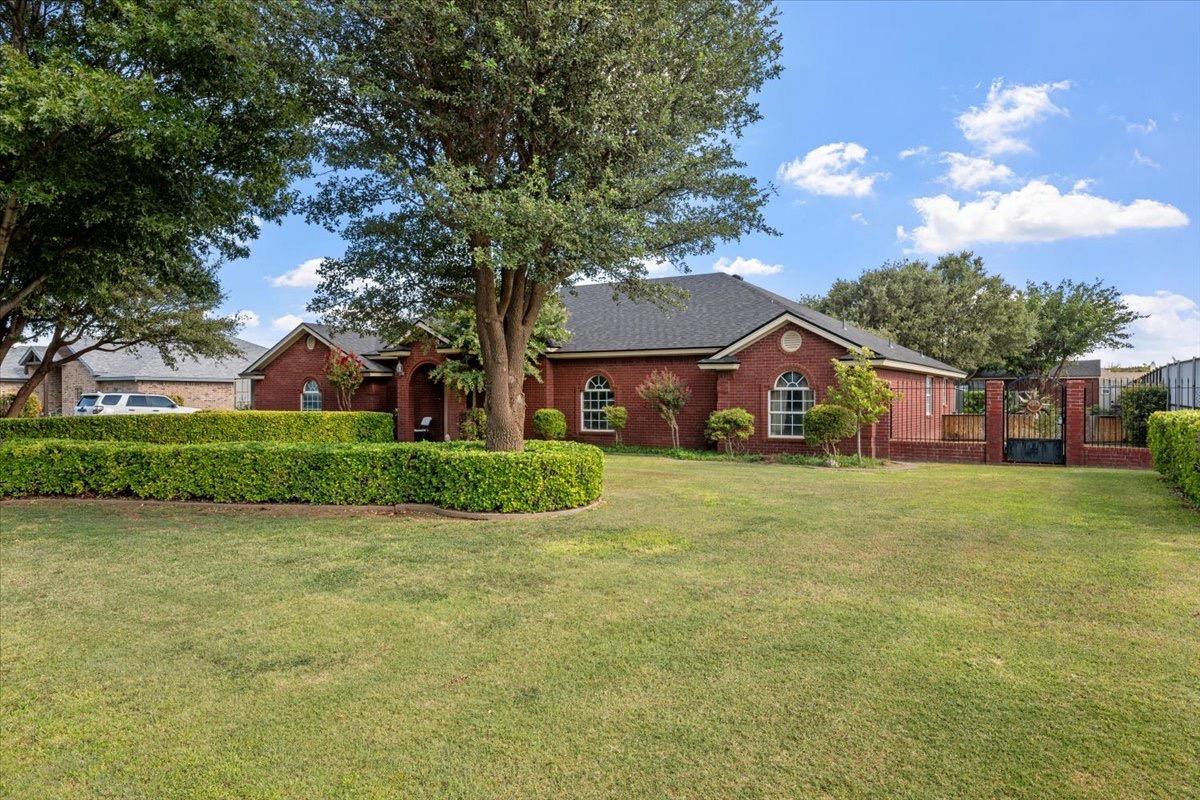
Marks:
<point>122,403</point>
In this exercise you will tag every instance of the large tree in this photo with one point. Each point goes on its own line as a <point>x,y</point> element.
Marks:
<point>464,372</point>
<point>952,309</point>
<point>488,152</point>
<point>140,144</point>
<point>1071,319</point>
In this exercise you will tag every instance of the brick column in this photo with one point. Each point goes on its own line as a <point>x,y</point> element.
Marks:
<point>993,422</point>
<point>1075,421</point>
<point>404,412</point>
<point>724,385</point>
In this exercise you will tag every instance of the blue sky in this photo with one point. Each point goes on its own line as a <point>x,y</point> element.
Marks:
<point>1055,140</point>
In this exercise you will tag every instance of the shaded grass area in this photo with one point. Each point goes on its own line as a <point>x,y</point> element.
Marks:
<point>711,630</point>
<point>795,459</point>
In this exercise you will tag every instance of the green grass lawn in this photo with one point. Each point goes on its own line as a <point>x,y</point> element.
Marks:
<point>711,630</point>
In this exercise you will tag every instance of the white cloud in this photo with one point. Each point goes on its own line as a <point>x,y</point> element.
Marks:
<point>657,268</point>
<point>1037,212</point>
<point>289,321</point>
<point>969,172</point>
<point>1083,184</point>
<point>919,150</point>
<point>1141,127</point>
<point>303,276</point>
<point>1008,111</point>
<point>745,266</point>
<point>829,170</point>
<point>859,218</point>
<point>247,318</point>
<point>1169,331</point>
<point>1144,161</point>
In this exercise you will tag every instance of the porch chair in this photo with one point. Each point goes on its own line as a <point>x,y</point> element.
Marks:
<point>421,432</point>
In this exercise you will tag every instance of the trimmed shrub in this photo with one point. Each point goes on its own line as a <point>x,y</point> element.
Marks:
<point>728,426</point>
<point>549,423</point>
<point>1174,439</point>
<point>210,426</point>
<point>825,424</point>
<point>1136,404</point>
<point>472,424</point>
<point>546,476</point>
<point>33,406</point>
<point>618,418</point>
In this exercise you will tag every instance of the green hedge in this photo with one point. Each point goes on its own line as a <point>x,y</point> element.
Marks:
<point>547,476</point>
<point>1174,440</point>
<point>210,426</point>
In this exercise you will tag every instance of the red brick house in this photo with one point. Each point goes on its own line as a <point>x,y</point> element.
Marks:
<point>734,343</point>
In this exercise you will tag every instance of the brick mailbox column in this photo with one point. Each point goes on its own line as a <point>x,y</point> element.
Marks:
<point>1075,421</point>
<point>993,422</point>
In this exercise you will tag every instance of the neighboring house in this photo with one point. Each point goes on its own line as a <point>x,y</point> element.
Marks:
<point>734,344</point>
<point>201,382</point>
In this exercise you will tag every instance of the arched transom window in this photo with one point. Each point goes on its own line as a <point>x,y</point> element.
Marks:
<point>310,397</point>
<point>787,404</point>
<point>596,396</point>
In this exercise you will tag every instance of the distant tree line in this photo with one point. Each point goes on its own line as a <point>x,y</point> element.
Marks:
<point>956,312</point>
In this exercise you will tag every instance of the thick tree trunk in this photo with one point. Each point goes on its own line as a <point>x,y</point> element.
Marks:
<point>505,320</point>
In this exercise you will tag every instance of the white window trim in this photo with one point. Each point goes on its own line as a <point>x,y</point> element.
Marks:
<point>582,417</point>
<point>319,394</point>
<point>928,395</point>
<point>773,388</point>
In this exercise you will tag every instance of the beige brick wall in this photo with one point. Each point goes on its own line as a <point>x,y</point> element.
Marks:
<point>74,381</point>
<point>217,396</point>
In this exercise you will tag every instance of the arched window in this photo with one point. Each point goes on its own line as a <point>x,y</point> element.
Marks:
<point>787,404</point>
<point>310,397</point>
<point>596,396</point>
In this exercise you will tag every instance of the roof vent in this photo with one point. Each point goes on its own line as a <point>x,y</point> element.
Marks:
<point>735,275</point>
<point>891,344</point>
<point>843,323</point>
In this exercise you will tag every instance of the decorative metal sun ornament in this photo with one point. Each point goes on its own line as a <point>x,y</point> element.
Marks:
<point>1034,401</point>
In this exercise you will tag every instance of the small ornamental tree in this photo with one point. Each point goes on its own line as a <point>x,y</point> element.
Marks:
<point>826,424</point>
<point>345,373</point>
<point>617,417</point>
<point>859,389</point>
<point>729,426</point>
<point>668,394</point>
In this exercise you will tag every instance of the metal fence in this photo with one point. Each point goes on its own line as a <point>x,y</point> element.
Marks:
<point>937,410</point>
<point>1116,409</point>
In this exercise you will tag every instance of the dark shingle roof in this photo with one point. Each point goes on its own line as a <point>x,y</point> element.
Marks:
<point>720,309</point>
<point>145,363</point>
<point>11,369</point>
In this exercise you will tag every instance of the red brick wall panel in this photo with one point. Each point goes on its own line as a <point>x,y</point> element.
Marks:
<point>645,426</point>
<point>953,452</point>
<point>284,377</point>
<point>1095,455</point>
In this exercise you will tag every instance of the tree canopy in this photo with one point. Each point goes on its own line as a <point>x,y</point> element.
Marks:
<point>486,153</point>
<point>140,145</point>
<point>1071,319</point>
<point>952,310</point>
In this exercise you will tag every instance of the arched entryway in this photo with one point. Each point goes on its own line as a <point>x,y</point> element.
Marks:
<point>426,397</point>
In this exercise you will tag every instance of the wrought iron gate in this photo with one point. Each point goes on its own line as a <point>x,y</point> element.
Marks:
<point>1035,420</point>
